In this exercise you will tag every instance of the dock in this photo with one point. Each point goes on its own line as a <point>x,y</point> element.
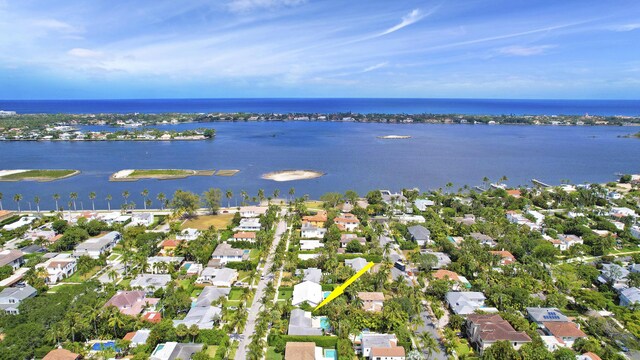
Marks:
<point>539,183</point>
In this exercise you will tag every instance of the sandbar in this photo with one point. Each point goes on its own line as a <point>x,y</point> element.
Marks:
<point>291,175</point>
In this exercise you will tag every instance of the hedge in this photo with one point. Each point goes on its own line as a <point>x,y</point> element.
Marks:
<point>242,265</point>
<point>322,341</point>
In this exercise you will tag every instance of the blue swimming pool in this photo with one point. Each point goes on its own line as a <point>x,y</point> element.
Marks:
<point>330,354</point>
<point>325,294</point>
<point>324,324</point>
<point>104,346</point>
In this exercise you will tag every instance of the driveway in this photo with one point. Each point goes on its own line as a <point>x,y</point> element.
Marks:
<point>430,327</point>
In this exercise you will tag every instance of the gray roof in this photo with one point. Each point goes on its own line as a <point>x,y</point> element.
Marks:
<point>99,242</point>
<point>464,303</point>
<point>209,294</point>
<point>540,315</point>
<point>608,269</point>
<point>141,336</point>
<point>312,274</point>
<point>419,232</point>
<point>225,249</point>
<point>632,294</point>
<point>377,340</point>
<point>9,256</point>
<point>356,264</point>
<point>18,293</point>
<point>203,317</point>
<point>223,274</point>
<point>300,323</point>
<point>151,281</point>
<point>443,259</point>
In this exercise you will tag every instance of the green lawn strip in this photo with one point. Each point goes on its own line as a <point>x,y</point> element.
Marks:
<point>80,278</point>
<point>272,354</point>
<point>285,293</point>
<point>38,174</point>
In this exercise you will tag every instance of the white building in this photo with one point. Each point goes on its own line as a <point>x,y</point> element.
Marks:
<point>143,219</point>
<point>188,234</point>
<point>248,224</point>
<point>307,291</point>
<point>97,246</point>
<point>10,298</point>
<point>225,253</point>
<point>224,277</point>
<point>58,268</point>
<point>310,231</point>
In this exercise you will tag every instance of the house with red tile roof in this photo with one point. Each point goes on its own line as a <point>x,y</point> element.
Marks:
<point>347,222</point>
<point>131,302</point>
<point>566,332</point>
<point>507,258</point>
<point>485,330</point>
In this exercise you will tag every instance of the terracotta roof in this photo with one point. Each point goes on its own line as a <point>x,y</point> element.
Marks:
<point>507,257</point>
<point>592,355</point>
<point>300,351</point>
<point>244,235</point>
<point>56,238</point>
<point>321,216</point>
<point>171,243</point>
<point>152,317</point>
<point>60,354</point>
<point>371,296</point>
<point>445,274</point>
<point>129,336</point>
<point>494,328</point>
<point>395,351</point>
<point>564,329</point>
<point>515,193</point>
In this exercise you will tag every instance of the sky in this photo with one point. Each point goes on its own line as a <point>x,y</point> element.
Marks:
<point>545,49</point>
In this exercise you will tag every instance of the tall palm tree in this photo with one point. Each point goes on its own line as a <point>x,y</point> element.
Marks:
<point>261,195</point>
<point>109,198</point>
<point>74,196</point>
<point>145,195</point>
<point>161,198</point>
<point>56,197</point>
<point>292,192</point>
<point>1,196</point>
<point>428,344</point>
<point>92,197</point>
<point>229,195</point>
<point>245,196</point>
<point>36,199</point>
<point>125,195</point>
<point>276,193</point>
<point>17,198</point>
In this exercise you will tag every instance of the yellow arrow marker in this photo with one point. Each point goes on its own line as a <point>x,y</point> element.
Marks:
<point>340,289</point>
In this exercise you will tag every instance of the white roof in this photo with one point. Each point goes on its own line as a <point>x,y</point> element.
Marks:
<point>307,291</point>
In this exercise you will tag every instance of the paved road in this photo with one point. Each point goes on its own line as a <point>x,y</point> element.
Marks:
<point>249,329</point>
<point>430,327</point>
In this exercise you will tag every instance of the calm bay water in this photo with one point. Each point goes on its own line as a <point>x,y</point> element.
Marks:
<point>350,153</point>
<point>410,106</point>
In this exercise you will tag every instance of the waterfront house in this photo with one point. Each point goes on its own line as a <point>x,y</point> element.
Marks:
<point>302,323</point>
<point>23,221</point>
<point>94,247</point>
<point>420,234</point>
<point>11,297</point>
<point>58,268</point>
<point>150,282</point>
<point>223,277</point>
<point>130,302</point>
<point>392,198</point>
<point>248,224</point>
<point>311,231</point>
<point>487,329</point>
<point>371,301</point>
<point>175,351</point>
<point>423,204</point>
<point>307,291</point>
<point>225,253</point>
<point>13,258</point>
<point>141,219</point>
<point>252,211</point>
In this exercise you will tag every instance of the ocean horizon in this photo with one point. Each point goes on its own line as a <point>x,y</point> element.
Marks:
<point>462,106</point>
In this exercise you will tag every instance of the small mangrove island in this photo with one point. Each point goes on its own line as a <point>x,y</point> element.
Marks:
<point>291,175</point>
<point>39,175</point>
<point>158,174</point>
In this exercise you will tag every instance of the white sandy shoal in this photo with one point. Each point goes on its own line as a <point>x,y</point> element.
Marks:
<point>122,174</point>
<point>291,175</point>
<point>395,137</point>
<point>10,172</point>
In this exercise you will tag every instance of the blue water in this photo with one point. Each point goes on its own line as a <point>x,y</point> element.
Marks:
<point>409,106</point>
<point>324,323</point>
<point>104,346</point>
<point>350,154</point>
<point>325,294</point>
<point>330,353</point>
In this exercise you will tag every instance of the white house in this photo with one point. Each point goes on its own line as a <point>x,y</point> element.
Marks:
<point>248,236</point>
<point>97,246</point>
<point>252,211</point>
<point>248,224</point>
<point>13,258</point>
<point>143,219</point>
<point>310,231</point>
<point>381,346</point>
<point>466,302</point>
<point>307,291</point>
<point>58,268</point>
<point>310,244</point>
<point>188,234</point>
<point>224,277</point>
<point>539,218</point>
<point>225,253</point>
<point>422,204</point>
<point>10,298</point>
<point>150,282</point>
<point>161,264</point>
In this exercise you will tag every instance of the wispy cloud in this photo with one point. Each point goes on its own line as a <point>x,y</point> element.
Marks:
<point>517,50</point>
<point>57,25</point>
<point>625,27</point>
<point>375,67</point>
<point>84,53</point>
<point>240,6</point>
<point>411,18</point>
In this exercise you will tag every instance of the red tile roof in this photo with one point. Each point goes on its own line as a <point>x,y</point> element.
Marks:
<point>564,329</point>
<point>244,235</point>
<point>396,351</point>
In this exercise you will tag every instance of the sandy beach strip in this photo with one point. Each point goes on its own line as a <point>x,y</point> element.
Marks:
<point>122,174</point>
<point>10,172</point>
<point>291,175</point>
<point>394,137</point>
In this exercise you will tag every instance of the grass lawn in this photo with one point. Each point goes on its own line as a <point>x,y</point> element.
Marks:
<point>243,275</point>
<point>272,354</point>
<point>196,292</point>
<point>125,283</point>
<point>232,352</point>
<point>185,283</point>
<point>463,348</point>
<point>204,222</point>
<point>254,254</point>
<point>211,350</point>
<point>113,257</point>
<point>284,293</point>
<point>80,278</point>
<point>39,174</point>
<point>314,205</point>
<point>235,293</point>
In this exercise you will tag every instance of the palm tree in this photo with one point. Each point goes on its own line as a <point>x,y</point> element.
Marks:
<point>292,192</point>
<point>148,203</point>
<point>485,180</point>
<point>245,196</point>
<point>17,198</point>
<point>125,195</point>
<point>36,199</point>
<point>56,197</point>
<point>261,195</point>
<point>161,198</point>
<point>428,344</point>
<point>115,320</point>
<point>193,331</point>
<point>109,198</point>
<point>145,195</point>
<point>1,196</point>
<point>503,178</point>
<point>276,193</point>
<point>92,197</point>
<point>229,195</point>
<point>74,196</point>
